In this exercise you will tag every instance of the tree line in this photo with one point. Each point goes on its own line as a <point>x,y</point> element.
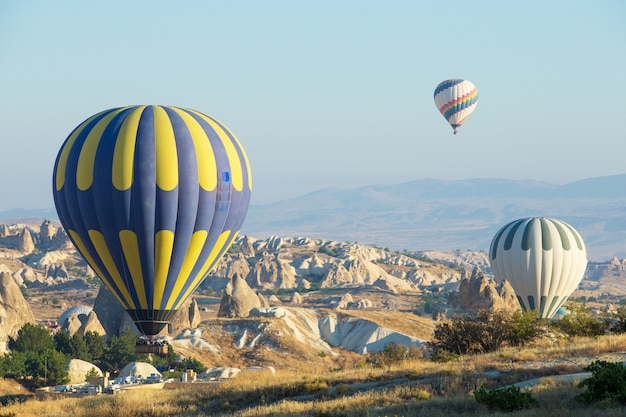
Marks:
<point>37,357</point>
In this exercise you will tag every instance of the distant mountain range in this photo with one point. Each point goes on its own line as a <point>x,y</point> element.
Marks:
<point>432,214</point>
<point>438,215</point>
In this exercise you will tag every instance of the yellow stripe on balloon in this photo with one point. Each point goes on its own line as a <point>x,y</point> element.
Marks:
<point>60,174</point>
<point>207,168</point>
<point>83,250</point>
<point>166,157</point>
<point>193,252</point>
<point>245,158</point>
<point>231,152</point>
<point>124,152</point>
<point>164,244</point>
<point>222,241</point>
<point>87,157</point>
<point>97,239</point>
<point>130,247</point>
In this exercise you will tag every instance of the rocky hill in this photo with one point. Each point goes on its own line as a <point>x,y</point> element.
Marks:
<point>307,295</point>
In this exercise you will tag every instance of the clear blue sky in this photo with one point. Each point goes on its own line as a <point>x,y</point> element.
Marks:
<point>325,93</point>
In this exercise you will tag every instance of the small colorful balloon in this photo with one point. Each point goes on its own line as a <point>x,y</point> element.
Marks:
<point>456,99</point>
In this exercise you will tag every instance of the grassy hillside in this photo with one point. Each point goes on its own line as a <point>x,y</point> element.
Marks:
<point>416,387</point>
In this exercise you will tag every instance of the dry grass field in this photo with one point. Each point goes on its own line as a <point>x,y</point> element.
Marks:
<point>413,388</point>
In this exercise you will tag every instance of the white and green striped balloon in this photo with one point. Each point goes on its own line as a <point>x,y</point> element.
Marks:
<point>543,259</point>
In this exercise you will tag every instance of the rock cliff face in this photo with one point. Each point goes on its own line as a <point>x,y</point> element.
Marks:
<point>25,241</point>
<point>39,254</point>
<point>323,330</point>
<point>301,266</point>
<point>187,317</point>
<point>272,271</point>
<point>29,238</point>
<point>480,293</point>
<point>303,263</point>
<point>81,324</point>
<point>238,299</point>
<point>14,310</point>
<point>109,311</point>
<point>92,324</point>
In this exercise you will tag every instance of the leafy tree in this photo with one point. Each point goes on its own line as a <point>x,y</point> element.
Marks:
<point>46,368</point>
<point>12,364</point>
<point>164,359</point>
<point>33,356</point>
<point>580,321</point>
<point>393,353</point>
<point>62,341</point>
<point>92,372</point>
<point>119,352</point>
<point>55,372</point>
<point>608,381</point>
<point>505,399</point>
<point>618,320</point>
<point>36,364</point>
<point>481,333</point>
<point>76,346</point>
<point>524,327</point>
<point>191,363</point>
<point>95,344</point>
<point>79,348</point>
<point>431,303</point>
<point>32,338</point>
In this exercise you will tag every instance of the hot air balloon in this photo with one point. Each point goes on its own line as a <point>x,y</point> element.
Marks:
<point>543,259</point>
<point>152,197</point>
<point>456,99</point>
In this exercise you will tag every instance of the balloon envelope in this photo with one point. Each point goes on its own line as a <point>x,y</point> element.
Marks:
<point>456,99</point>
<point>152,197</point>
<point>543,259</point>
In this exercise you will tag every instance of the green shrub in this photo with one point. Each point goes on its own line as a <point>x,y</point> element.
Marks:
<point>234,248</point>
<point>505,399</point>
<point>393,354</point>
<point>484,332</point>
<point>312,387</point>
<point>580,321</point>
<point>480,333</point>
<point>618,321</point>
<point>607,382</point>
<point>524,327</point>
<point>442,356</point>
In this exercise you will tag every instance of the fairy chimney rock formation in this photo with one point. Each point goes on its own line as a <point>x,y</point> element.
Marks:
<point>14,310</point>
<point>25,241</point>
<point>238,299</point>
<point>92,324</point>
<point>480,293</point>
<point>296,298</point>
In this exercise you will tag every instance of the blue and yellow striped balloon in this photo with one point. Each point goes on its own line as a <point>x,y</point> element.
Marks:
<point>152,197</point>
<point>456,99</point>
